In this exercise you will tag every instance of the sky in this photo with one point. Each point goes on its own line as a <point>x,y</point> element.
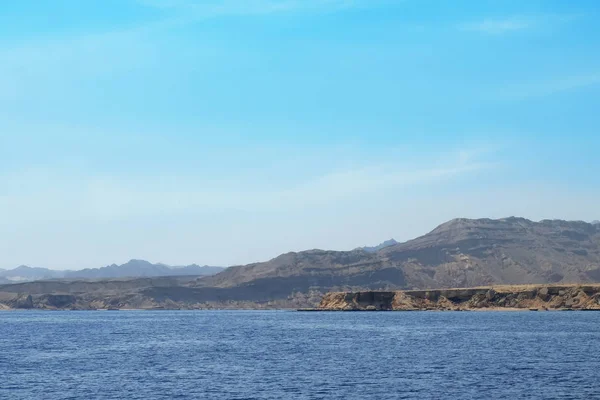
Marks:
<point>226,132</point>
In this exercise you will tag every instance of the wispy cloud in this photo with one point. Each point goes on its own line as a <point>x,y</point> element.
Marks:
<point>109,198</point>
<point>515,23</point>
<point>498,26</point>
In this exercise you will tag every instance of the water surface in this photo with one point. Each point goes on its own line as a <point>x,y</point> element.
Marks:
<point>293,355</point>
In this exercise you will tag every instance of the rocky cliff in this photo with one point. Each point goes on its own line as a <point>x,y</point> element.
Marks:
<point>526,297</point>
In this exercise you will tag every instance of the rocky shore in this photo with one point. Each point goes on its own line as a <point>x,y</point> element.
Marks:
<point>525,297</point>
<point>515,297</point>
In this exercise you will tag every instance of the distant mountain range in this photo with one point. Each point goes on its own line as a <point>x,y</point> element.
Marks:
<point>133,268</point>
<point>459,253</point>
<point>375,249</point>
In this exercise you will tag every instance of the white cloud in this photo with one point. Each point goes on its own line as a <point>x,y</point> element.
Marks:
<point>109,198</point>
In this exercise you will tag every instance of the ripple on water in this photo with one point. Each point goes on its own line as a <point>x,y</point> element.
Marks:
<point>288,355</point>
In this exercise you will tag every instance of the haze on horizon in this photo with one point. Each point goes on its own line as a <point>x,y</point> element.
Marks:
<point>224,132</point>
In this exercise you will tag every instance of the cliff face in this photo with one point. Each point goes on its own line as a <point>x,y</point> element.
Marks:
<point>575,297</point>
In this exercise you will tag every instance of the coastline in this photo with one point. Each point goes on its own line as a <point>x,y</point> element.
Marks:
<point>567,297</point>
<point>572,297</point>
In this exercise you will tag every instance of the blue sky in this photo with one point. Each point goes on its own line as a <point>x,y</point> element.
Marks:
<point>229,131</point>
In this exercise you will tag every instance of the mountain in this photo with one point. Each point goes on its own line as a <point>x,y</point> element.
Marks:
<point>133,268</point>
<point>25,273</point>
<point>190,270</point>
<point>595,222</point>
<point>375,249</point>
<point>459,253</point>
<point>465,252</point>
<point>142,268</point>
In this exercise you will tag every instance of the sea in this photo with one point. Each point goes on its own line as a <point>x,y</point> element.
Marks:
<point>299,355</point>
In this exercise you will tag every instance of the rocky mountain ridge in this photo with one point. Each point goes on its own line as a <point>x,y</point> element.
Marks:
<point>459,253</point>
<point>375,249</point>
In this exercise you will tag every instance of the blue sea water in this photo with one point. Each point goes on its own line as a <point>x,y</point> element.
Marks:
<point>295,355</point>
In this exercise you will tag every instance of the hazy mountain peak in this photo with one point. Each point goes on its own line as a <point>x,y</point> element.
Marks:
<point>374,249</point>
<point>515,219</point>
<point>27,269</point>
<point>139,262</point>
<point>458,223</point>
<point>132,268</point>
<point>595,222</point>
